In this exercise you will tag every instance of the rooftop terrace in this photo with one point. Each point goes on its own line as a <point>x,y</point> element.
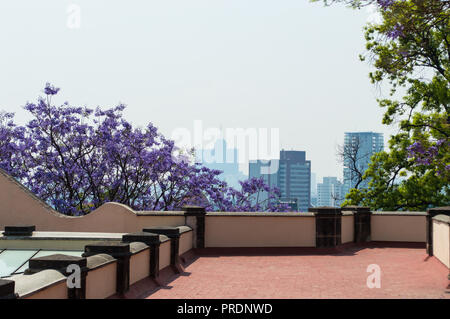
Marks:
<point>326,253</point>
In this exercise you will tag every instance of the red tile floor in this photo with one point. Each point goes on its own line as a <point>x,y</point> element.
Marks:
<point>405,273</point>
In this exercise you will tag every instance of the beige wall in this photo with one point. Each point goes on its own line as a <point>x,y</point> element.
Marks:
<point>347,229</point>
<point>405,228</point>
<point>186,242</point>
<point>101,282</point>
<point>139,266</point>
<point>164,255</point>
<point>21,207</point>
<point>441,241</point>
<point>262,231</point>
<point>57,291</point>
<point>46,284</point>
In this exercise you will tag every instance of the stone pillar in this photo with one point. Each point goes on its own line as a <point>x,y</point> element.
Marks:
<point>362,221</point>
<point>151,240</point>
<point>195,218</point>
<point>19,230</point>
<point>7,289</point>
<point>121,252</point>
<point>61,263</point>
<point>174,234</point>
<point>328,226</point>
<point>430,214</point>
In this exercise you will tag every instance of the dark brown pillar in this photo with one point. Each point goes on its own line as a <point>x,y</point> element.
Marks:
<point>121,252</point>
<point>7,289</point>
<point>195,218</point>
<point>362,221</point>
<point>174,234</point>
<point>430,214</point>
<point>151,240</point>
<point>328,226</point>
<point>60,263</point>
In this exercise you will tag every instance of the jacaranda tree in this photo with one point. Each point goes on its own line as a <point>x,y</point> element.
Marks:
<point>410,53</point>
<point>76,159</point>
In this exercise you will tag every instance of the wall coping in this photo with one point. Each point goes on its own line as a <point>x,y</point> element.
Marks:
<point>136,247</point>
<point>442,218</point>
<point>347,213</point>
<point>99,261</point>
<point>399,213</point>
<point>159,213</point>
<point>184,229</point>
<point>27,285</point>
<point>260,214</point>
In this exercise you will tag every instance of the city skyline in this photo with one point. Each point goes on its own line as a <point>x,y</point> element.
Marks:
<point>186,61</point>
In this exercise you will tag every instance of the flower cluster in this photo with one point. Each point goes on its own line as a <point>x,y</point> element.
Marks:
<point>429,155</point>
<point>76,159</point>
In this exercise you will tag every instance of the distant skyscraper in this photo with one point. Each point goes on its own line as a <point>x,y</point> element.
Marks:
<point>294,178</point>
<point>292,175</point>
<point>330,192</point>
<point>224,159</point>
<point>359,146</point>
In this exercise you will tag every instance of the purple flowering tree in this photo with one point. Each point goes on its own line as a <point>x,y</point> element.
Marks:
<point>78,158</point>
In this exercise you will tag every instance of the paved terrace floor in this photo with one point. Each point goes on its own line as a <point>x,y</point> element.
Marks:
<point>405,273</point>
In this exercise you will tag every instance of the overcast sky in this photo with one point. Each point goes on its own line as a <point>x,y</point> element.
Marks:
<point>287,64</point>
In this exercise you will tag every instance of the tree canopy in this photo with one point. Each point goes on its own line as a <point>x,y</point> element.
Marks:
<point>76,159</point>
<point>410,52</point>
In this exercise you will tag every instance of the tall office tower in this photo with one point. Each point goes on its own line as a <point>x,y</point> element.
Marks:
<point>330,192</point>
<point>294,178</point>
<point>358,149</point>
<point>224,159</point>
<point>291,174</point>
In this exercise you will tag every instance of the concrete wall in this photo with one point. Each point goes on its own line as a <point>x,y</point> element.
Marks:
<point>46,284</point>
<point>21,207</point>
<point>402,227</point>
<point>347,228</point>
<point>58,291</point>
<point>266,230</point>
<point>186,242</point>
<point>139,266</point>
<point>164,255</point>
<point>441,239</point>
<point>101,282</point>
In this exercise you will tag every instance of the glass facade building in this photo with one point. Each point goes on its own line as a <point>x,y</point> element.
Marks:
<point>362,145</point>
<point>291,174</point>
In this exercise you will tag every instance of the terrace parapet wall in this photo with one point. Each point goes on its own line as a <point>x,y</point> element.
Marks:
<point>129,257</point>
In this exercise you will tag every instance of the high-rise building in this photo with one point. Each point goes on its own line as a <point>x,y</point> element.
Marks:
<point>330,192</point>
<point>224,159</point>
<point>357,152</point>
<point>294,178</point>
<point>291,174</point>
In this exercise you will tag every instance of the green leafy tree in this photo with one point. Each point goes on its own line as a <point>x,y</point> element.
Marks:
<point>410,52</point>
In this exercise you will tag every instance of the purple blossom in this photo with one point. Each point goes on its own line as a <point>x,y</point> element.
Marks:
<point>50,90</point>
<point>385,4</point>
<point>397,31</point>
<point>76,159</point>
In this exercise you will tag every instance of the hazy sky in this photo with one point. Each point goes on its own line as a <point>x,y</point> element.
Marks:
<point>287,64</point>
